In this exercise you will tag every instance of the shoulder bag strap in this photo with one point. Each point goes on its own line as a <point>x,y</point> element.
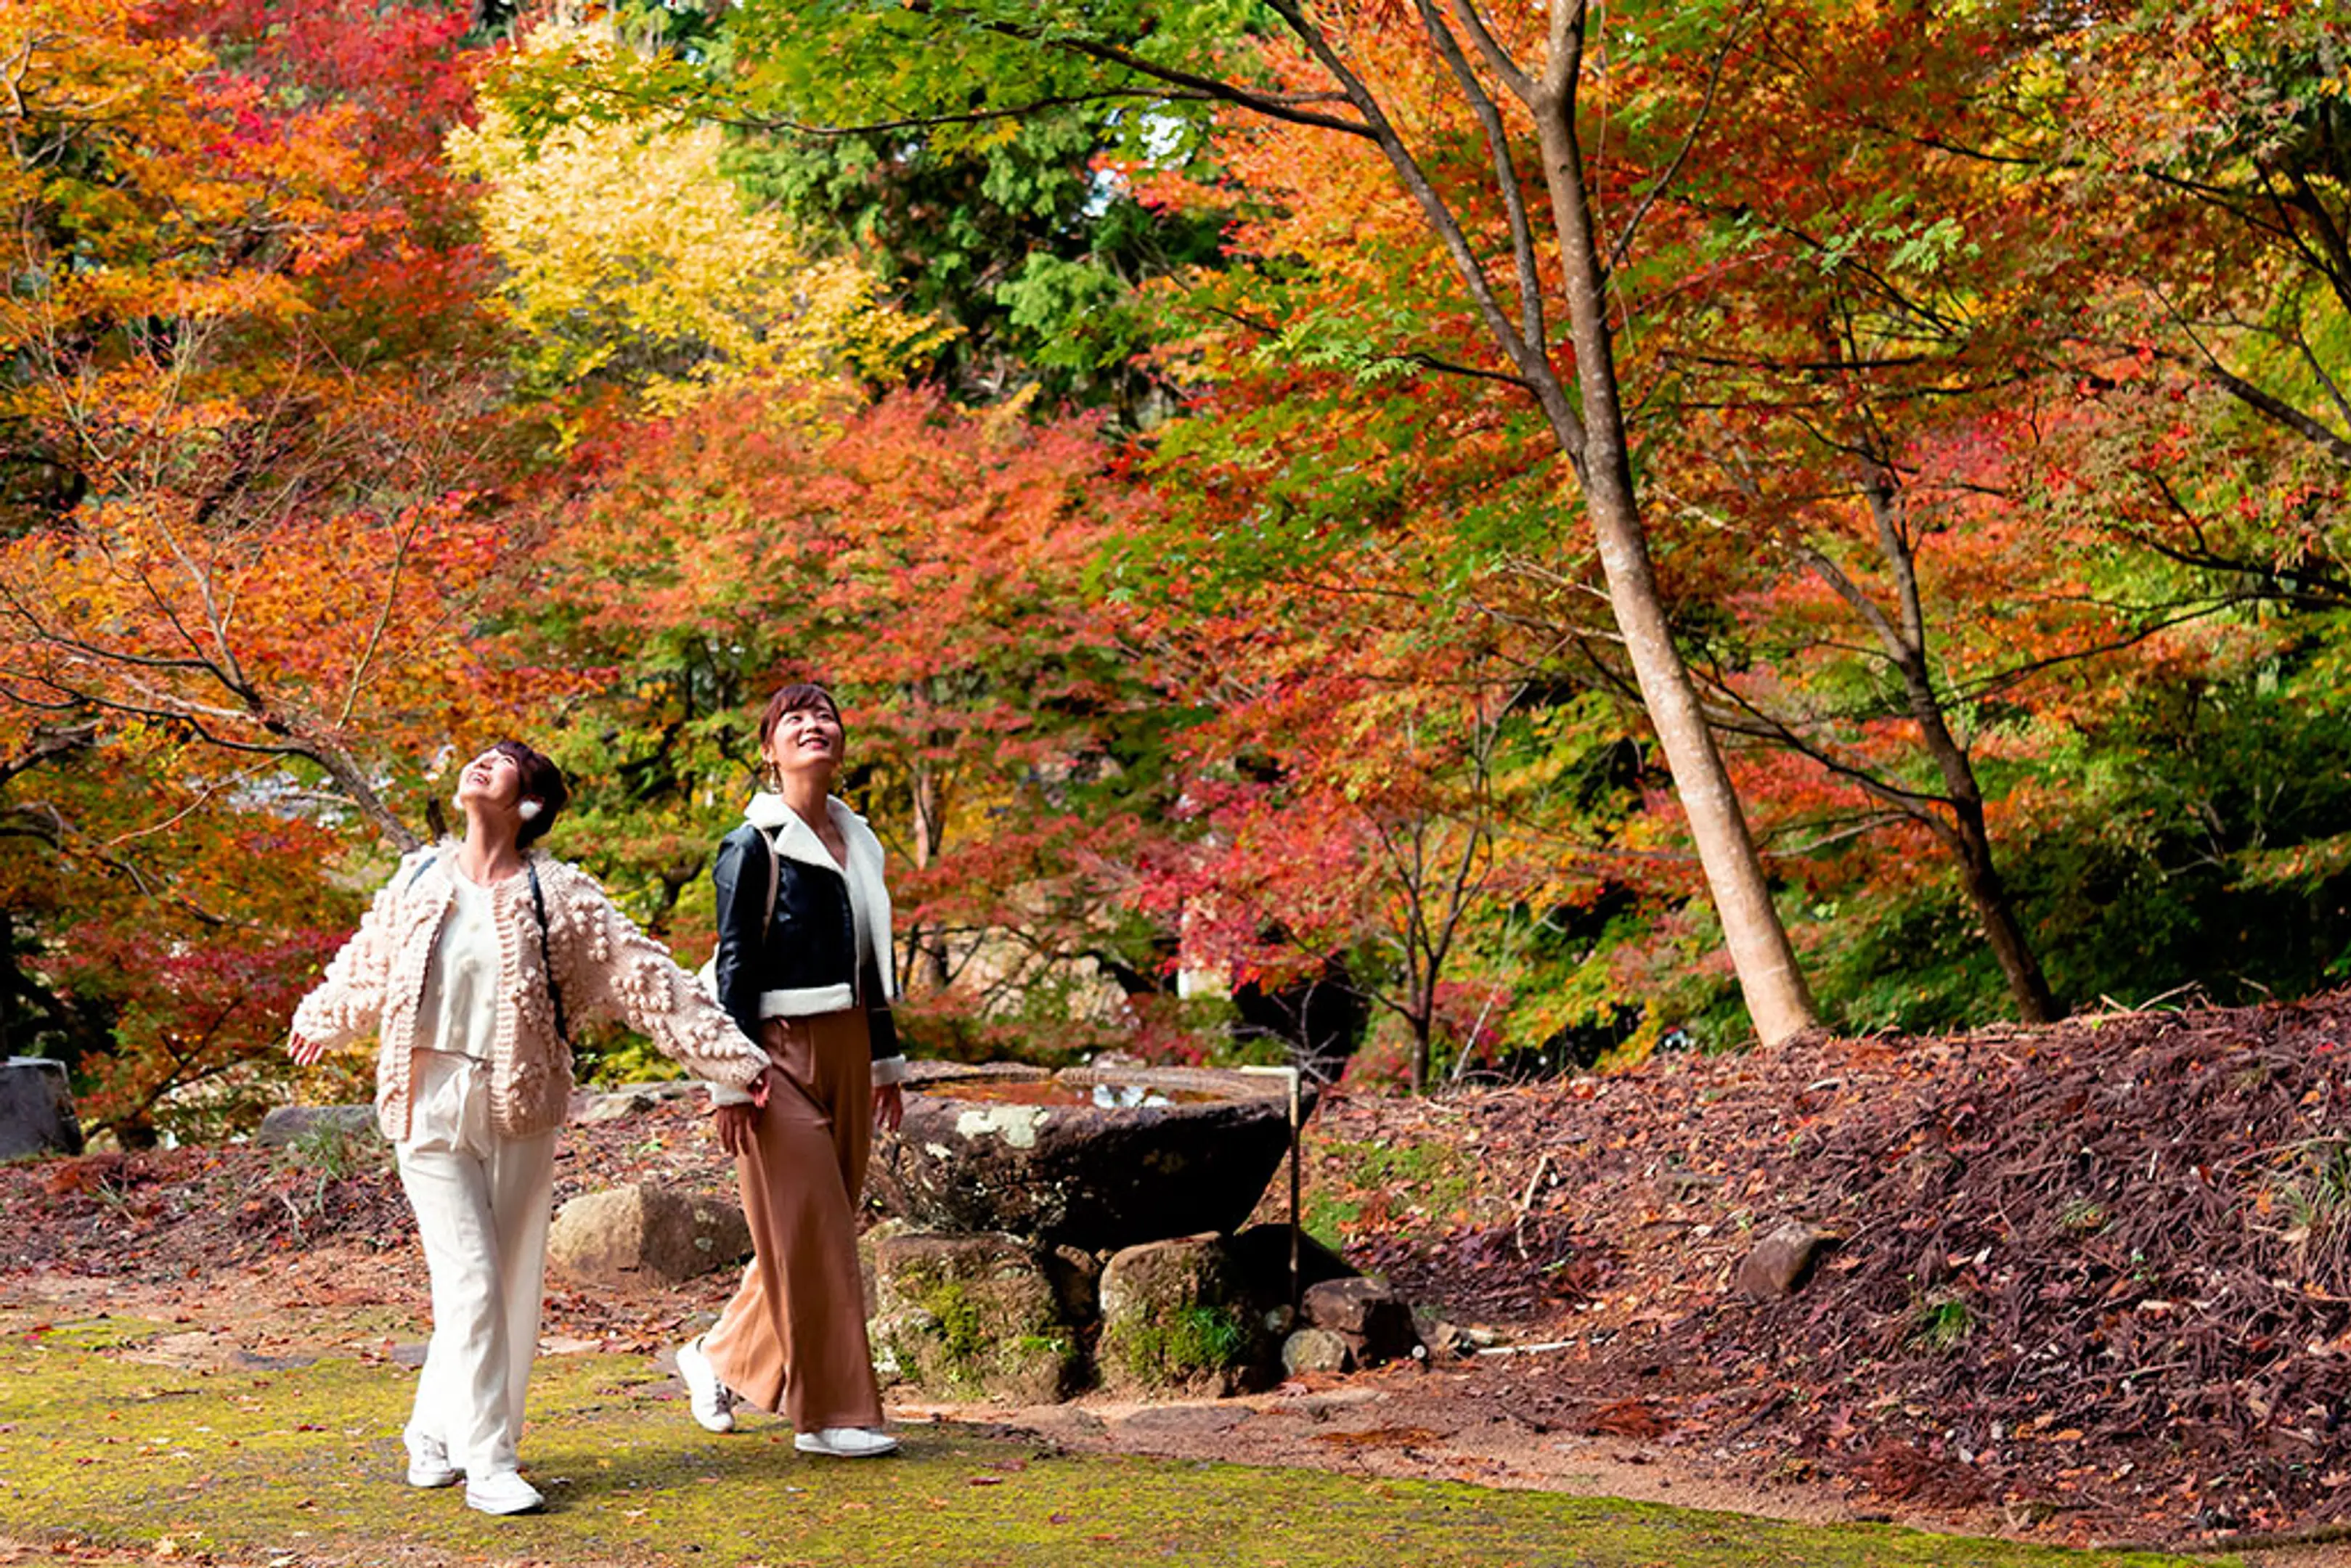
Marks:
<point>546,955</point>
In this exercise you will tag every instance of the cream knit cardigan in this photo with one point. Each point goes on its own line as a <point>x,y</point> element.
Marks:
<point>603,964</point>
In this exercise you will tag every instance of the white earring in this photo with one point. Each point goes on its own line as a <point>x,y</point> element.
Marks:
<point>528,810</point>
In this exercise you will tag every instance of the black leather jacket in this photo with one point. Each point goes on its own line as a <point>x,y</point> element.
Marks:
<point>808,963</point>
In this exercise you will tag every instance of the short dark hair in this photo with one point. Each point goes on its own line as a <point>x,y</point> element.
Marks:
<point>542,782</point>
<point>801,697</point>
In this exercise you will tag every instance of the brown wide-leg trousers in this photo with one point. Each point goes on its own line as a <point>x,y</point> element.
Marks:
<point>793,1338</point>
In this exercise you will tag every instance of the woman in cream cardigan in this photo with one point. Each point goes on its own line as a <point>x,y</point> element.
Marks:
<point>803,966</point>
<point>472,966</point>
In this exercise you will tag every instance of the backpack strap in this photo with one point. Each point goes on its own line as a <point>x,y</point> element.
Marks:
<point>546,951</point>
<point>775,885</point>
<point>547,954</point>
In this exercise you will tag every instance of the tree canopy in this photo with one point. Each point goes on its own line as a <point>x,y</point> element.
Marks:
<point>1565,530</point>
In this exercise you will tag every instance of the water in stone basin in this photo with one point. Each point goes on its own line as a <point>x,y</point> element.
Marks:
<point>1053,1092</point>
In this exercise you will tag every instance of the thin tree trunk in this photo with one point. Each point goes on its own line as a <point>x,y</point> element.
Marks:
<point>1996,910</point>
<point>928,948</point>
<point>1970,843</point>
<point>1969,837</point>
<point>1777,998</point>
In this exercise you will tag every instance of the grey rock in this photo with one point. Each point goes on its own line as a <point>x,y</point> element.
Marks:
<point>871,1236</point>
<point>594,1105</point>
<point>628,1233</point>
<point>1176,1318</point>
<point>288,1125</point>
<point>1375,1319</point>
<point>1781,1261</point>
<point>968,1316</point>
<point>36,1110</point>
<point>1095,1159</point>
<point>1317,1350</point>
<point>592,1109</point>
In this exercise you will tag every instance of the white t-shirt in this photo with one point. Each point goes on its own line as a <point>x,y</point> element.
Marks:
<point>459,1013</point>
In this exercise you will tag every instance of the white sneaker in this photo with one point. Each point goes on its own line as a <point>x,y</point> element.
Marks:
<point>846,1443</point>
<point>502,1491</point>
<point>713,1401</point>
<point>428,1461</point>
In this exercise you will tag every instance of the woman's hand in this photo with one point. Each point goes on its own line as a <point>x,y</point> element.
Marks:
<point>888,1107</point>
<point>737,1125</point>
<point>307,1052</point>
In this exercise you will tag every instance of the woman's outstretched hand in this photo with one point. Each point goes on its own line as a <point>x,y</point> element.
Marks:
<point>307,1052</point>
<point>888,1107</point>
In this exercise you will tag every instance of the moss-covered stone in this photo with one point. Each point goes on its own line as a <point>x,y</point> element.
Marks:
<point>1176,1318</point>
<point>968,1316</point>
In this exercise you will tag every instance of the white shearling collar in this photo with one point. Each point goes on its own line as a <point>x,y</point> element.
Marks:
<point>869,894</point>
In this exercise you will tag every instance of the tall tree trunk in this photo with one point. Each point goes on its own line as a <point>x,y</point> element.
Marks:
<point>1777,998</point>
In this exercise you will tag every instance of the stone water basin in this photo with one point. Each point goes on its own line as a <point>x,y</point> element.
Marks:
<point>1092,1158</point>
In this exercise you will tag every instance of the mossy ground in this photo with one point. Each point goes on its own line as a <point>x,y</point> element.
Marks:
<point>282,1466</point>
<point>1429,1177</point>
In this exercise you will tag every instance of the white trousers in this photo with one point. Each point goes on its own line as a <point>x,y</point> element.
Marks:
<point>481,1203</point>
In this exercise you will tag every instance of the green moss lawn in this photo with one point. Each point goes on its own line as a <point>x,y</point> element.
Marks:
<point>285,1465</point>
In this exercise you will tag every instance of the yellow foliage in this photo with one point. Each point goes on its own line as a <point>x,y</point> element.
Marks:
<point>630,257</point>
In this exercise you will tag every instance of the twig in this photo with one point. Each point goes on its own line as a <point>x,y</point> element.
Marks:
<point>1526,1202</point>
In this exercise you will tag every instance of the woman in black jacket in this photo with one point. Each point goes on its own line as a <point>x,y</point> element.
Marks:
<point>803,966</point>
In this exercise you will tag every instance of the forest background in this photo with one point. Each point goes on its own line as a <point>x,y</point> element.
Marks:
<point>1377,532</point>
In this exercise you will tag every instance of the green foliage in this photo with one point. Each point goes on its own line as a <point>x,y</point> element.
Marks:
<point>1188,1342</point>
<point>2201,840</point>
<point>1027,243</point>
<point>1022,225</point>
<point>960,1320</point>
<point>2315,1194</point>
<point>1941,1323</point>
<point>336,1153</point>
<point>609,1057</point>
